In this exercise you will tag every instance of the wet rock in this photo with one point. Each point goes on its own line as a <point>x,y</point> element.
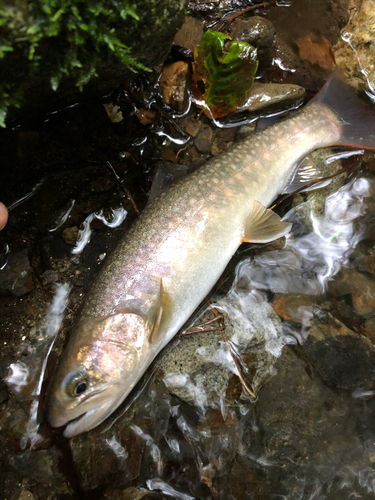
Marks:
<point>190,34</point>
<point>50,276</point>
<point>268,96</point>
<point>369,328</point>
<point>223,140</point>
<point>193,127</point>
<point>191,376</point>
<point>342,358</point>
<point>23,494</point>
<point>245,130</point>
<point>203,140</point>
<point>173,85</point>
<point>304,426</point>
<point>146,116</point>
<point>70,235</point>
<point>363,293</point>
<point>132,494</point>
<point>17,276</point>
<point>295,307</point>
<point>355,52</point>
<point>256,31</point>
<point>165,175</point>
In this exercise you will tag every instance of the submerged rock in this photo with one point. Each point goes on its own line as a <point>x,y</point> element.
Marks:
<point>355,52</point>
<point>268,96</point>
<point>17,276</point>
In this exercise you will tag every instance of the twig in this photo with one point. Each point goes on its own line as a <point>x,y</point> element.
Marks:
<point>120,183</point>
<point>239,13</point>
<point>202,327</point>
<point>221,320</point>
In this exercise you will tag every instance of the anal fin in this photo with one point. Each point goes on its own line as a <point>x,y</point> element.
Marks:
<point>264,225</point>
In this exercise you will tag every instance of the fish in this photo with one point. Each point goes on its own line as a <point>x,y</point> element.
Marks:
<point>174,253</point>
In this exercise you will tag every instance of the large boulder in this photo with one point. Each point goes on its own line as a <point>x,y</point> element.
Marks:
<point>92,45</point>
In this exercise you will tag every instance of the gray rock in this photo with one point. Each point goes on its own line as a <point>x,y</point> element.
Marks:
<point>268,96</point>
<point>204,139</point>
<point>16,277</point>
<point>50,276</point>
<point>306,430</point>
<point>255,30</point>
<point>342,358</point>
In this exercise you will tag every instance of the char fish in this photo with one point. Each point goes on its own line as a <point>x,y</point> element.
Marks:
<point>179,246</point>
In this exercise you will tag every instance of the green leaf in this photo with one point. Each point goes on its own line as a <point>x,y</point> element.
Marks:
<point>223,72</point>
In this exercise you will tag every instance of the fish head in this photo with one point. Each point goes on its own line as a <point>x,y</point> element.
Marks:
<point>100,366</point>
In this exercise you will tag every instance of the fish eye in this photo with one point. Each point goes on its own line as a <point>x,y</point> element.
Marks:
<point>80,387</point>
<point>76,384</point>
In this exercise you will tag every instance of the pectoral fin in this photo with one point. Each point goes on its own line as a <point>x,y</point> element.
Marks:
<point>160,315</point>
<point>263,225</point>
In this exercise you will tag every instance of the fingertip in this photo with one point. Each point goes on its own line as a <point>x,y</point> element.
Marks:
<point>3,215</point>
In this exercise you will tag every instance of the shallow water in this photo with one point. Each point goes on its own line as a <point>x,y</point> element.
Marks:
<point>299,323</point>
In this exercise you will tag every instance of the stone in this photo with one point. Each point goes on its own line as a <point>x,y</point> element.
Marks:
<point>203,141</point>
<point>355,51</point>
<point>173,85</point>
<point>17,276</point>
<point>363,293</point>
<point>23,494</point>
<point>369,328</point>
<point>295,307</point>
<point>50,276</point>
<point>268,96</point>
<point>70,235</point>
<point>132,493</point>
<point>304,425</point>
<point>343,359</point>
<point>245,130</point>
<point>190,34</point>
<point>255,30</point>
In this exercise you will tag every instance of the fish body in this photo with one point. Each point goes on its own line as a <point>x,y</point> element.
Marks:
<point>172,257</point>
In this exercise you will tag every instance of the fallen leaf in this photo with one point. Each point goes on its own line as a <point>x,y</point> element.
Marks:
<point>317,50</point>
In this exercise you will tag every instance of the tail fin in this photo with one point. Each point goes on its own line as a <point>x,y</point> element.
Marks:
<point>358,122</point>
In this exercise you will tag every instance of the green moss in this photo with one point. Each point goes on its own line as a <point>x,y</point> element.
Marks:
<point>58,38</point>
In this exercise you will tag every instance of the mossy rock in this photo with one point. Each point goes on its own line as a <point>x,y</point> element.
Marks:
<point>51,50</point>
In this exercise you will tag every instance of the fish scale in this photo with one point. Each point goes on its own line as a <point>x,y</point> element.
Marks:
<point>178,248</point>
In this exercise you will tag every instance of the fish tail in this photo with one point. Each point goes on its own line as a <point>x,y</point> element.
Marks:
<point>356,120</point>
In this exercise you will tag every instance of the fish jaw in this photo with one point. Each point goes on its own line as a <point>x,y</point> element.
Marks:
<point>87,415</point>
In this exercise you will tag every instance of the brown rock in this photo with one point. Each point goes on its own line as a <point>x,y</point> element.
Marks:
<point>70,235</point>
<point>16,278</point>
<point>173,84</point>
<point>193,128</point>
<point>145,116</point>
<point>293,306</point>
<point>190,34</point>
<point>203,141</point>
<point>369,328</point>
<point>363,294</point>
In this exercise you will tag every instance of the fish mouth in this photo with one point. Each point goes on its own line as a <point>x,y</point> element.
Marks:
<point>77,425</point>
